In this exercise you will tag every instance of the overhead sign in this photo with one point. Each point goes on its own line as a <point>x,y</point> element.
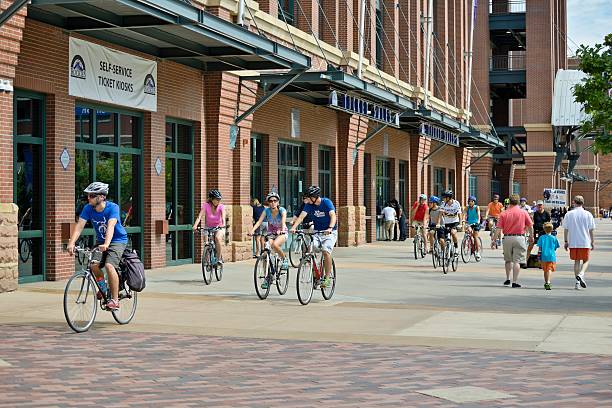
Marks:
<point>362,107</point>
<point>555,197</point>
<point>439,134</point>
<point>106,75</point>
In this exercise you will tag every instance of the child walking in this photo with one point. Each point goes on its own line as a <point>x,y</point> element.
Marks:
<point>548,244</point>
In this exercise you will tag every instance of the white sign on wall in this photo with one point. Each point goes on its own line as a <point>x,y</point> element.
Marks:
<point>555,197</point>
<point>106,75</point>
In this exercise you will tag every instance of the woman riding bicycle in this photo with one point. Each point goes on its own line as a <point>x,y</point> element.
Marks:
<point>214,216</point>
<point>276,217</point>
<point>435,218</point>
<point>473,220</point>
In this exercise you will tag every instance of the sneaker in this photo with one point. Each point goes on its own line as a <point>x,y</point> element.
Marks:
<point>112,305</point>
<point>265,284</point>
<point>326,282</point>
<point>220,262</point>
<point>516,285</point>
<point>507,282</point>
<point>577,286</point>
<point>547,286</point>
<point>477,256</point>
<point>581,281</point>
<point>285,264</point>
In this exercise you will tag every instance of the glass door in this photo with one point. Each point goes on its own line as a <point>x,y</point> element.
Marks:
<point>179,192</point>
<point>291,175</point>
<point>29,184</point>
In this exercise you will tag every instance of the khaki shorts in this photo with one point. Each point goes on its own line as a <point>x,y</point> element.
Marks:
<point>515,249</point>
<point>111,256</point>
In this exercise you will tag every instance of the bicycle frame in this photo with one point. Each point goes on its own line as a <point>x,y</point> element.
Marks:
<point>89,273</point>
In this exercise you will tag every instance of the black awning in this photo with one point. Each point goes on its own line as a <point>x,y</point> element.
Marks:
<point>170,30</point>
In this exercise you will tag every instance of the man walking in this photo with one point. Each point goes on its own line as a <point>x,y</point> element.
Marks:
<point>578,226</point>
<point>514,222</point>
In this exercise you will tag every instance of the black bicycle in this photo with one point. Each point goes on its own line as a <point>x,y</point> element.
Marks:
<point>450,257</point>
<point>210,262</point>
<point>268,270</point>
<point>310,275</point>
<point>81,297</point>
<point>298,248</point>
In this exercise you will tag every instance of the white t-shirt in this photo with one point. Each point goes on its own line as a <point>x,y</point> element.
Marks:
<point>389,213</point>
<point>579,222</point>
<point>452,207</point>
<point>526,208</point>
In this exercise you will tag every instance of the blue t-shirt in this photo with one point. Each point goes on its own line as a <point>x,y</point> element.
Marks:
<point>99,220</point>
<point>548,245</point>
<point>275,224</point>
<point>257,211</point>
<point>320,214</point>
<point>472,215</point>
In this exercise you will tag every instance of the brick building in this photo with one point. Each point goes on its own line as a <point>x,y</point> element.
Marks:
<point>278,102</point>
<point>520,48</point>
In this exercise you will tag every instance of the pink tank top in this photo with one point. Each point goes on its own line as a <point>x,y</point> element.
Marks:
<point>213,219</point>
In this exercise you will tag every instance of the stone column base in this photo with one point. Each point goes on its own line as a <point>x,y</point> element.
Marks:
<point>9,272</point>
<point>346,226</point>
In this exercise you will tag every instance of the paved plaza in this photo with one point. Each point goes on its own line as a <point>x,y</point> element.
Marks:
<point>396,333</point>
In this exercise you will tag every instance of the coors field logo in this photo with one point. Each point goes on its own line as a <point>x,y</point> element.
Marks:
<point>77,67</point>
<point>149,85</point>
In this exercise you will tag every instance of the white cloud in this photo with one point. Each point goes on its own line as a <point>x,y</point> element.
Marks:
<point>588,21</point>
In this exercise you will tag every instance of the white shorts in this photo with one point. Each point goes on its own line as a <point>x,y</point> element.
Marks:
<point>326,242</point>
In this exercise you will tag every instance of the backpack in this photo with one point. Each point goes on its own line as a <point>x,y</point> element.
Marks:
<point>132,270</point>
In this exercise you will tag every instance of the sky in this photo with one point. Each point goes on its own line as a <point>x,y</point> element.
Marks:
<point>588,21</point>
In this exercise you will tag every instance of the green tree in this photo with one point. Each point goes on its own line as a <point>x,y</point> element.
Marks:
<point>596,92</point>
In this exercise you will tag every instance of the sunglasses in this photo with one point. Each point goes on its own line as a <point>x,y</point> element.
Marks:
<point>274,200</point>
<point>92,195</point>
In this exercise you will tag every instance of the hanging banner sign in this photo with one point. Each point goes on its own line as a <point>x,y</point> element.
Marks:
<point>439,134</point>
<point>361,107</point>
<point>106,75</point>
<point>554,197</point>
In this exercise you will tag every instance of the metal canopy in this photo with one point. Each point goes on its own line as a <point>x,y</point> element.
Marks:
<point>170,30</point>
<point>315,87</point>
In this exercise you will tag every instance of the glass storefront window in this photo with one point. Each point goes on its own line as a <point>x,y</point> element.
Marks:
<point>129,135</point>
<point>105,127</point>
<point>383,182</point>
<point>82,125</point>
<point>257,168</point>
<point>325,170</point>
<point>291,176</point>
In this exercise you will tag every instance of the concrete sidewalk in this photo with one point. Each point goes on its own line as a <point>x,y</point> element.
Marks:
<point>383,296</point>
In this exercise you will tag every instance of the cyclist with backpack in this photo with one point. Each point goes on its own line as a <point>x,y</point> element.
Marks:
<point>110,234</point>
<point>214,216</point>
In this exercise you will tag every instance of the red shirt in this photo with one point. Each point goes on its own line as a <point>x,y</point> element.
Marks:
<point>514,220</point>
<point>421,209</point>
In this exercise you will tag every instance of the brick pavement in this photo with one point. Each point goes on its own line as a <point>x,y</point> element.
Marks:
<point>52,367</point>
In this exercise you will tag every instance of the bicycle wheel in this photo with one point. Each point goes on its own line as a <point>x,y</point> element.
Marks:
<point>295,251</point>
<point>282,281</point>
<point>415,245</point>
<point>328,292</point>
<point>434,255</point>
<point>128,300</point>
<point>454,259</point>
<point>24,250</point>
<point>466,249</point>
<point>305,280</point>
<point>219,271</point>
<point>260,273</point>
<point>445,258</point>
<point>422,248</point>
<point>80,303</point>
<point>207,267</point>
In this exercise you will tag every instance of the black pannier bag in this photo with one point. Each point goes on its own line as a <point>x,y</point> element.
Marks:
<point>132,269</point>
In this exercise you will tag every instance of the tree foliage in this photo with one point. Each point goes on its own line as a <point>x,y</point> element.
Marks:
<point>596,92</point>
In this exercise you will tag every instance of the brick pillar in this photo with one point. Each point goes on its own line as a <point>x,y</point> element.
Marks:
<point>539,168</point>
<point>480,67</point>
<point>438,44</point>
<point>463,157</point>
<point>154,189</point>
<point>269,6</point>
<point>332,10</point>
<point>347,30</point>
<point>9,272</point>
<point>406,40</point>
<point>199,181</point>
<point>419,176</point>
<point>416,39</point>
<point>307,16</point>
<point>390,39</point>
<point>503,174</point>
<point>59,182</point>
<point>358,128</point>
<point>483,170</point>
<point>370,200</point>
<point>312,165</point>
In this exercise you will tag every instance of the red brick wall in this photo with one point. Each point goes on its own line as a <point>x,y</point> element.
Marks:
<point>605,175</point>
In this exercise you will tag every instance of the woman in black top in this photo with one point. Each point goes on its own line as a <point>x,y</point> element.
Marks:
<point>540,216</point>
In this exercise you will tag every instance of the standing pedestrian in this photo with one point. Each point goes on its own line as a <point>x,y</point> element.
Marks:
<point>398,214</point>
<point>514,222</point>
<point>389,215</point>
<point>548,245</point>
<point>578,226</point>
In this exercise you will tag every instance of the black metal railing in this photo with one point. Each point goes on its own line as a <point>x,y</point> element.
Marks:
<point>507,62</point>
<point>507,6</point>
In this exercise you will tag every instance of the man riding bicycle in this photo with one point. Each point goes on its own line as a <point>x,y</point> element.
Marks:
<point>494,210</point>
<point>323,214</point>
<point>473,220</point>
<point>451,216</point>
<point>418,216</point>
<point>111,237</point>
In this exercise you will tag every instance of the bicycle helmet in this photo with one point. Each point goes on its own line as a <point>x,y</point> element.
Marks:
<point>423,196</point>
<point>271,194</point>
<point>214,194</point>
<point>523,199</point>
<point>506,201</point>
<point>313,192</point>
<point>434,199</point>
<point>97,188</point>
<point>496,196</point>
<point>472,198</point>
<point>448,193</point>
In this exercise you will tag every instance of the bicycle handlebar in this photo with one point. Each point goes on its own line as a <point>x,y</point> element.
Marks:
<point>304,232</point>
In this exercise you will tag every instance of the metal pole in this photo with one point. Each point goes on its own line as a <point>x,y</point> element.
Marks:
<point>469,56</point>
<point>429,20</point>
<point>362,7</point>
<point>240,19</point>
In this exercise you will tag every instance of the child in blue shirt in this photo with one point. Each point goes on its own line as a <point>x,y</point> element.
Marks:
<point>548,244</point>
